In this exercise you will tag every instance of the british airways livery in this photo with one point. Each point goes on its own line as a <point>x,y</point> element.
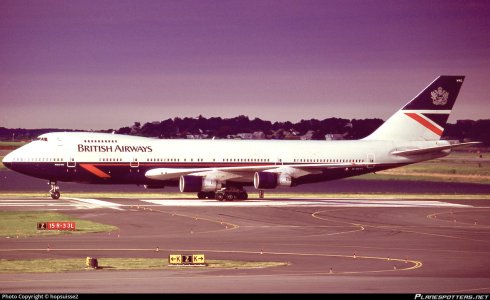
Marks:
<point>221,169</point>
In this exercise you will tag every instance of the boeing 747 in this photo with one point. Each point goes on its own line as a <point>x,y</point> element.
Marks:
<point>220,169</point>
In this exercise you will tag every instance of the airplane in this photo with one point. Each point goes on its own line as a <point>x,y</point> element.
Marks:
<point>220,169</point>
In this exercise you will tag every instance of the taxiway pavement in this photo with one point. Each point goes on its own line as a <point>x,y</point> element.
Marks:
<point>331,245</point>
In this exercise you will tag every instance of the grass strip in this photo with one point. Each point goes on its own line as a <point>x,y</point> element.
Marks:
<point>24,224</point>
<point>78,264</point>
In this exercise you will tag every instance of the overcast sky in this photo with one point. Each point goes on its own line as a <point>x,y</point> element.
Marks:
<point>105,64</point>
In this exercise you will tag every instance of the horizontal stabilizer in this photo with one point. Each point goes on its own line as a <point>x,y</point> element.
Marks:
<point>432,149</point>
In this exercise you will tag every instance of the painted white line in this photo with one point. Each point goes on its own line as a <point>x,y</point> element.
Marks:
<point>24,200</point>
<point>387,202</point>
<point>35,204</point>
<point>44,204</point>
<point>306,202</point>
<point>94,203</point>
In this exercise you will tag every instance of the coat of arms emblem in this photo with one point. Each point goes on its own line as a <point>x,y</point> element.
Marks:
<point>439,96</point>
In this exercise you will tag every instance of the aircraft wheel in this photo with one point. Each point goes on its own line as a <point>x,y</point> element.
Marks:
<point>201,195</point>
<point>220,196</point>
<point>230,197</point>
<point>55,195</point>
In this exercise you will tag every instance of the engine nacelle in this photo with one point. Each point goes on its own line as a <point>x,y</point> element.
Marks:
<point>269,180</point>
<point>210,185</point>
<point>189,183</point>
<point>154,186</point>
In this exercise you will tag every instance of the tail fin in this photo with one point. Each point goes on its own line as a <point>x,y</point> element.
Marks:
<point>423,118</point>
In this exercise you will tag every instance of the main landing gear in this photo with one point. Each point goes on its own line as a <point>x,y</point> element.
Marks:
<point>225,194</point>
<point>54,190</point>
<point>230,194</point>
<point>204,195</point>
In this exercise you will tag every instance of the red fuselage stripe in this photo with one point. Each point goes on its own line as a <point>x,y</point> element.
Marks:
<point>94,170</point>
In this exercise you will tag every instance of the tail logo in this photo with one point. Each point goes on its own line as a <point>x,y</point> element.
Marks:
<point>439,96</point>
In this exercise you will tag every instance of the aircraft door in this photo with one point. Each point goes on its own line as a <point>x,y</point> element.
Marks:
<point>370,160</point>
<point>134,163</point>
<point>71,163</point>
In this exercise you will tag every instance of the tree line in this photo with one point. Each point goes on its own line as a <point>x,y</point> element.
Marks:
<point>221,128</point>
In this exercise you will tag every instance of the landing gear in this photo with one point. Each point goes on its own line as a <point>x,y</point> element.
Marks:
<point>204,195</point>
<point>54,190</point>
<point>230,194</point>
<point>220,196</point>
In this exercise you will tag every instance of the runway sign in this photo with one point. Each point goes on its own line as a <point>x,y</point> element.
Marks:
<point>56,226</point>
<point>186,259</point>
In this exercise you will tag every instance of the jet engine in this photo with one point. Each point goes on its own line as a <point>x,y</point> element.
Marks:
<point>190,183</point>
<point>269,180</point>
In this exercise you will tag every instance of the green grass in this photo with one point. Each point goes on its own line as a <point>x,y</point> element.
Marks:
<point>393,175</point>
<point>12,144</point>
<point>24,224</point>
<point>452,167</point>
<point>78,264</point>
<point>1,164</point>
<point>457,167</point>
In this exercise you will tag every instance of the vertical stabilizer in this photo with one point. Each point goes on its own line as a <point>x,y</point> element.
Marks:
<point>423,118</point>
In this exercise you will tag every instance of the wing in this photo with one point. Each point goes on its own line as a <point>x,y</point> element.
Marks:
<point>246,172</point>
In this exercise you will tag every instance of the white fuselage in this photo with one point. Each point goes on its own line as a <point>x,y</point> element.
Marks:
<point>69,150</point>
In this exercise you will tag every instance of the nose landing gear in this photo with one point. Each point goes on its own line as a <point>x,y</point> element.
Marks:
<point>54,190</point>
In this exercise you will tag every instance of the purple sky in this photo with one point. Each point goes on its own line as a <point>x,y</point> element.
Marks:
<point>105,64</point>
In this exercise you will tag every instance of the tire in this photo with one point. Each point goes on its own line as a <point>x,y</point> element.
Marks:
<point>55,195</point>
<point>211,195</point>
<point>230,196</point>
<point>201,195</point>
<point>244,196</point>
<point>220,196</point>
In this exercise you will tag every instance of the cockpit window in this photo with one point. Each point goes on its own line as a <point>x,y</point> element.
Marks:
<point>45,139</point>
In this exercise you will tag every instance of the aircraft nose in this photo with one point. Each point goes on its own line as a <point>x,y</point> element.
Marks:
<point>7,161</point>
